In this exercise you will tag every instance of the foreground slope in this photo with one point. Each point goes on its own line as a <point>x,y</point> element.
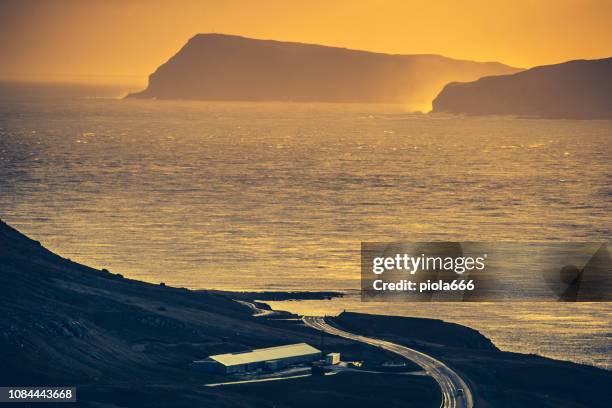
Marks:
<point>126,343</point>
<point>580,89</point>
<point>226,67</point>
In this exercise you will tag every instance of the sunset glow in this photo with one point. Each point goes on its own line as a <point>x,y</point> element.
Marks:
<point>110,41</point>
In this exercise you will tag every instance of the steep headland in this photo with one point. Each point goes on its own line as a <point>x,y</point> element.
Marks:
<point>227,67</point>
<point>580,89</point>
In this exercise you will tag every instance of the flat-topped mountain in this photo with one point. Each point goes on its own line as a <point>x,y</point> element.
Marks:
<point>580,89</point>
<point>227,67</point>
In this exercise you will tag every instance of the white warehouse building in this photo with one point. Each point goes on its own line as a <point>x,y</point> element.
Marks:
<point>271,358</point>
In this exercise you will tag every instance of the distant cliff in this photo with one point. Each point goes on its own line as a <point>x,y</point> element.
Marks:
<point>580,89</point>
<point>226,67</point>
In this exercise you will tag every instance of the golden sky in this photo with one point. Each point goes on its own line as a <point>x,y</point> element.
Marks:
<point>121,40</point>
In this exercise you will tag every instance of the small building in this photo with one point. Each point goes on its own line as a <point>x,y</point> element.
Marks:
<point>332,358</point>
<point>271,358</point>
<point>205,366</point>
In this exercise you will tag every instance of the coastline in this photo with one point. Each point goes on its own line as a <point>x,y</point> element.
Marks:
<point>142,334</point>
<point>311,205</point>
<point>574,332</point>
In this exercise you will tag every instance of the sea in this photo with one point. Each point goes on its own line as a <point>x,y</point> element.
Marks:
<point>279,196</point>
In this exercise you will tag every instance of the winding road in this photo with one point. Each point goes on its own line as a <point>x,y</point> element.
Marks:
<point>257,312</point>
<point>450,382</point>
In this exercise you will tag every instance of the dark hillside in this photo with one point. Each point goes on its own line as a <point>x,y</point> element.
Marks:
<point>126,343</point>
<point>129,343</point>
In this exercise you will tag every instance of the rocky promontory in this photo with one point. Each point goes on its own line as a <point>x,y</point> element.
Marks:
<point>580,89</point>
<point>228,67</point>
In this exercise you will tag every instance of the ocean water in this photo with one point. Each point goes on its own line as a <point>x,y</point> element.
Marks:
<point>273,196</point>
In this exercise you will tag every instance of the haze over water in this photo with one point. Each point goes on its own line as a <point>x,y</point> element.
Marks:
<point>272,196</point>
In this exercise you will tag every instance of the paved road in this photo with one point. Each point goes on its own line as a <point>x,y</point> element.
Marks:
<point>257,312</point>
<point>448,380</point>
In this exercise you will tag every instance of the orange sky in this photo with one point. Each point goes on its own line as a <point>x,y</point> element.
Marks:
<point>118,40</point>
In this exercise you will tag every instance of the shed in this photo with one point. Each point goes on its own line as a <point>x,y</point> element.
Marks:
<point>270,358</point>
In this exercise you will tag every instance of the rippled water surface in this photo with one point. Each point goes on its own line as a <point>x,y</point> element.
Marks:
<point>279,196</point>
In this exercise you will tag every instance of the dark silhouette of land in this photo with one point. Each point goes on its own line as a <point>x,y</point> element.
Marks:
<point>227,67</point>
<point>125,343</point>
<point>580,89</point>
